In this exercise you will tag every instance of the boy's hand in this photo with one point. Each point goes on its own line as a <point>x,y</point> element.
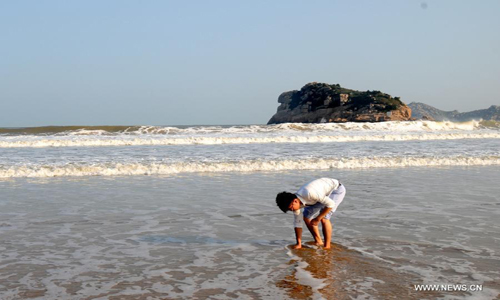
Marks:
<point>315,222</point>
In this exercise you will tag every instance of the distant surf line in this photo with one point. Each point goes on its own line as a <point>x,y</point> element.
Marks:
<point>294,127</point>
<point>166,141</point>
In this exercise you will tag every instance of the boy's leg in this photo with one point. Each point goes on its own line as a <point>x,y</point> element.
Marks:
<point>327,232</point>
<point>314,231</point>
<point>337,196</point>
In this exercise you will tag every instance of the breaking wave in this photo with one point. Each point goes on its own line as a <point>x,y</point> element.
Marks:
<point>93,142</point>
<point>122,169</point>
<point>397,126</point>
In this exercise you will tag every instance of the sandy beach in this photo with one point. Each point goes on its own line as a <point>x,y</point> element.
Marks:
<point>220,236</point>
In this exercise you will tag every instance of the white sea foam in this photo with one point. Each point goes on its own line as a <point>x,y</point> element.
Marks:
<point>114,169</point>
<point>396,126</point>
<point>249,134</point>
<point>292,127</point>
<point>94,141</point>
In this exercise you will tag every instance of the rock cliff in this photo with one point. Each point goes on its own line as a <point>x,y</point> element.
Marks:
<point>427,112</point>
<point>321,103</point>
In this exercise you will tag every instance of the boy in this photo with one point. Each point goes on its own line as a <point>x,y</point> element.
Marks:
<point>320,197</point>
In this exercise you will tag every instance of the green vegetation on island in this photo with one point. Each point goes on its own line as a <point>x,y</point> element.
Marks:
<point>321,102</point>
<point>322,95</point>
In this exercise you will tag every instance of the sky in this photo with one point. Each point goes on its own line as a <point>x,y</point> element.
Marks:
<point>119,62</point>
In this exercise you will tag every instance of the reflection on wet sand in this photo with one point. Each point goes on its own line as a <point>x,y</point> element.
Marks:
<point>337,271</point>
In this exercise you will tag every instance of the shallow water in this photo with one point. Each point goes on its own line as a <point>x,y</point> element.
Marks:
<point>220,235</point>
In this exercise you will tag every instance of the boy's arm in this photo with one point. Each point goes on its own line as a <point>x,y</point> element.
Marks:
<point>298,237</point>
<point>297,224</point>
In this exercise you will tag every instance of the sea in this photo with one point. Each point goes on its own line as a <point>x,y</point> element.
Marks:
<point>189,212</point>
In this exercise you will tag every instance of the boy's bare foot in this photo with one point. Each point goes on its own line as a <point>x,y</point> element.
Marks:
<point>326,246</point>
<point>296,246</point>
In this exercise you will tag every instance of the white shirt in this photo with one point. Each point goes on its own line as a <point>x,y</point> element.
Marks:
<point>313,192</point>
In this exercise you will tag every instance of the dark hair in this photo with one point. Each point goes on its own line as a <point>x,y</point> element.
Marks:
<point>284,199</point>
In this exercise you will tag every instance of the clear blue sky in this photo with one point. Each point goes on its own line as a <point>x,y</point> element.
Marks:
<point>226,62</point>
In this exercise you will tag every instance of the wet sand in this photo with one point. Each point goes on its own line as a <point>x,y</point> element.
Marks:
<point>152,237</point>
<point>342,270</point>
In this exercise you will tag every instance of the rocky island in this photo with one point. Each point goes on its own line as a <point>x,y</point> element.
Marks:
<point>322,103</point>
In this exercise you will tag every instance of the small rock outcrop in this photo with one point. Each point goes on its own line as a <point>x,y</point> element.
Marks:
<point>323,103</point>
<point>421,111</point>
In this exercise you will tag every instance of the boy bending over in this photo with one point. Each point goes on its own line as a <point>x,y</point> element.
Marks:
<point>320,199</point>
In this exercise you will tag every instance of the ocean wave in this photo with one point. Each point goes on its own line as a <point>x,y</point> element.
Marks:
<point>393,126</point>
<point>165,141</point>
<point>58,130</point>
<point>122,169</point>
